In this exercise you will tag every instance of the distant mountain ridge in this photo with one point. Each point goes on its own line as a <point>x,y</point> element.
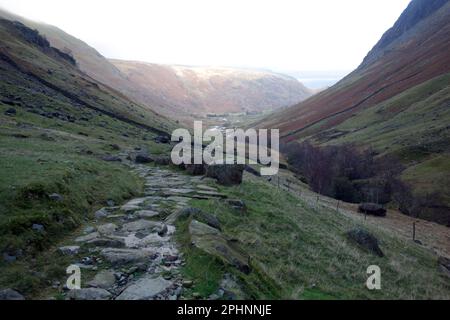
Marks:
<point>203,90</point>
<point>173,93</point>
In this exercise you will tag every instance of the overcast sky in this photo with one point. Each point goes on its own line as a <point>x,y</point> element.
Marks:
<point>274,34</point>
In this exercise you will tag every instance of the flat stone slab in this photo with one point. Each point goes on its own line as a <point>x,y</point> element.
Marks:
<point>205,187</point>
<point>108,242</point>
<point>136,202</point>
<point>131,207</point>
<point>140,225</point>
<point>178,199</point>
<point>89,294</point>
<point>107,229</point>
<point>104,280</point>
<point>211,194</point>
<point>180,191</point>
<point>87,237</point>
<point>124,256</point>
<point>147,214</point>
<point>145,289</point>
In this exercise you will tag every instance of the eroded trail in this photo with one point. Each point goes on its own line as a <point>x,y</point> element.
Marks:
<point>132,248</point>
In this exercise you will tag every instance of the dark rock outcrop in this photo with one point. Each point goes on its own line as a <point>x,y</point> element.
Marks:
<point>226,174</point>
<point>372,209</point>
<point>162,139</point>
<point>143,157</point>
<point>365,240</point>
<point>195,169</point>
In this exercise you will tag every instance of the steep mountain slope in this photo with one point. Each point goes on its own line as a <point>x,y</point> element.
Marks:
<point>60,132</point>
<point>203,90</point>
<point>397,101</point>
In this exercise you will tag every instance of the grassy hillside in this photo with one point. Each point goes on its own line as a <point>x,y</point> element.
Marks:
<point>56,125</point>
<point>396,102</point>
<point>300,251</point>
<point>413,126</point>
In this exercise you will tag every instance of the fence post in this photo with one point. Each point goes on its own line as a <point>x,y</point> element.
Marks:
<point>337,207</point>
<point>414,231</point>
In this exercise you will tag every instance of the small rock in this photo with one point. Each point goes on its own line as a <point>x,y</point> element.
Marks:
<point>188,283</point>
<point>147,213</point>
<point>102,213</point>
<point>132,270</point>
<point>107,229</point>
<point>372,209</point>
<point>89,294</point>
<point>38,227</point>
<point>110,203</point>
<point>69,250</point>
<point>237,204</point>
<point>88,261</point>
<point>143,157</point>
<point>171,258</point>
<point>140,225</point>
<point>163,231</point>
<point>89,229</point>
<point>106,242</point>
<point>56,197</point>
<point>10,294</point>
<point>163,160</point>
<point>10,112</point>
<point>87,237</point>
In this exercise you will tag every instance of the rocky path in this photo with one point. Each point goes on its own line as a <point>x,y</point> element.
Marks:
<point>131,248</point>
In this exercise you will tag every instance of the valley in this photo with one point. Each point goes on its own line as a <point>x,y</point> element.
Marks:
<point>87,181</point>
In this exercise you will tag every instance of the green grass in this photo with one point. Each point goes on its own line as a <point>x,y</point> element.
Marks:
<point>298,252</point>
<point>41,156</point>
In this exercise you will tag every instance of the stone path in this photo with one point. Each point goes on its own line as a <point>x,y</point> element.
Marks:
<point>131,247</point>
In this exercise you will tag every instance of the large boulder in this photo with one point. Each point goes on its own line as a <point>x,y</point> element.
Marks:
<point>372,209</point>
<point>226,174</point>
<point>365,240</point>
<point>213,242</point>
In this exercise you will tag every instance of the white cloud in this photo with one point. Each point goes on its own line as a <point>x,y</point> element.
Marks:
<point>277,34</point>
